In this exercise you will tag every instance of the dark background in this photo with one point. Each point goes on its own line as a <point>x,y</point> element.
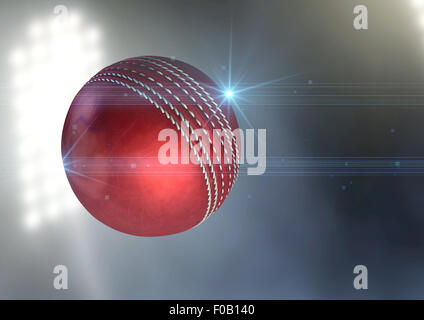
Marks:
<point>276,236</point>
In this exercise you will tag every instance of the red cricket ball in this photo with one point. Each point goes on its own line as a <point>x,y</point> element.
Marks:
<point>110,146</point>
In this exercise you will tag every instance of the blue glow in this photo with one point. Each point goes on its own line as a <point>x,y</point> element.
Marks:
<point>228,93</point>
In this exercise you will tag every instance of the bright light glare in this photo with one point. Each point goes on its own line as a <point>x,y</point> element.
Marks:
<point>418,3</point>
<point>59,57</point>
<point>229,93</point>
<point>52,210</point>
<point>35,30</point>
<point>17,57</point>
<point>93,35</point>
<point>32,220</point>
<point>74,20</point>
<point>30,196</point>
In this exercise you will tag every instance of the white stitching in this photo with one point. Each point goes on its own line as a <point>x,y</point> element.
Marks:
<point>182,119</point>
<point>96,78</point>
<point>216,202</point>
<point>237,164</point>
<point>203,90</point>
<point>231,181</point>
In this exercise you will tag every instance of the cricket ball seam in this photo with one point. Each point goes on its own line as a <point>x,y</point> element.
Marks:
<point>178,99</point>
<point>157,105</point>
<point>210,98</point>
<point>232,178</point>
<point>175,109</point>
<point>210,119</point>
<point>191,113</point>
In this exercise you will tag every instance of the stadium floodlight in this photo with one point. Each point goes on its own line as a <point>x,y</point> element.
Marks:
<point>57,58</point>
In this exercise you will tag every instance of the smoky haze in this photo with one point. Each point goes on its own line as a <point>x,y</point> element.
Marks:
<point>276,236</point>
